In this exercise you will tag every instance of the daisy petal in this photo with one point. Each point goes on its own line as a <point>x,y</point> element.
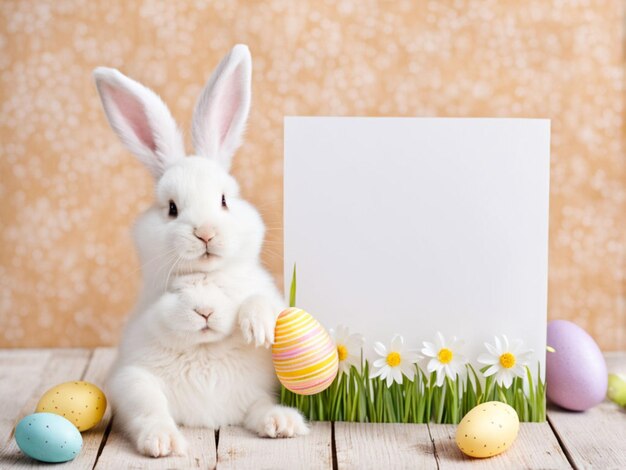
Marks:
<point>408,369</point>
<point>498,346</point>
<point>429,349</point>
<point>462,372</point>
<point>440,377</point>
<point>379,362</point>
<point>460,359</point>
<point>492,370</point>
<point>505,345</point>
<point>379,372</point>
<point>518,371</point>
<point>499,377</point>
<point>432,365</point>
<point>397,343</point>
<point>380,349</point>
<point>353,359</point>
<point>487,359</point>
<point>507,378</point>
<point>397,374</point>
<point>389,379</point>
<point>442,340</point>
<point>492,350</point>
<point>458,368</point>
<point>524,357</point>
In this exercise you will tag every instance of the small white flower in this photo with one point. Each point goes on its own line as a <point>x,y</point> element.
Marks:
<point>348,348</point>
<point>394,361</point>
<point>445,358</point>
<point>505,361</point>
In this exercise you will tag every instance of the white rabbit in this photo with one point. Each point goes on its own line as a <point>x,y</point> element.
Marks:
<point>194,351</point>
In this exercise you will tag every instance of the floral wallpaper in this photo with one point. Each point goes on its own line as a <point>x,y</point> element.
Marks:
<point>70,192</point>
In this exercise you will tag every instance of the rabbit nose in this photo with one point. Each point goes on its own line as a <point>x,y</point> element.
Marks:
<point>204,312</point>
<point>204,233</point>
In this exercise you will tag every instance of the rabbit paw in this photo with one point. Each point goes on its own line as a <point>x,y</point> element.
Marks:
<point>160,439</point>
<point>281,421</point>
<point>257,321</point>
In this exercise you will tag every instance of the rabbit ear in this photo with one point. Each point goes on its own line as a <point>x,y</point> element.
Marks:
<point>221,112</point>
<point>141,120</point>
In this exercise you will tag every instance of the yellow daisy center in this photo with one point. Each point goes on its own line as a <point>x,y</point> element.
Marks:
<point>393,359</point>
<point>444,355</point>
<point>342,352</point>
<point>507,360</point>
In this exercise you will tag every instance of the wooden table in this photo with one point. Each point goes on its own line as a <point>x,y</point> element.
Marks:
<point>594,439</point>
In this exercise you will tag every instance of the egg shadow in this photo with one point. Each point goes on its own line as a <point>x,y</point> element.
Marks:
<point>454,454</point>
<point>551,406</point>
<point>554,407</point>
<point>13,457</point>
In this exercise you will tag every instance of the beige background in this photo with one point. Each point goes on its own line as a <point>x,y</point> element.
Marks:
<point>69,192</point>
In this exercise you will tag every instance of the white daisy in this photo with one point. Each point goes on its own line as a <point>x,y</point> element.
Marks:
<point>445,358</point>
<point>394,361</point>
<point>505,361</point>
<point>348,348</point>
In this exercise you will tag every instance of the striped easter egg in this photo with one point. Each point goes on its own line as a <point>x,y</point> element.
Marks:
<point>305,357</point>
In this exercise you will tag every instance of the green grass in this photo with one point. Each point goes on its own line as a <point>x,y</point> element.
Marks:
<point>356,397</point>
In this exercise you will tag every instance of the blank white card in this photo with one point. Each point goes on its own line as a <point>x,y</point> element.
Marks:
<point>419,225</point>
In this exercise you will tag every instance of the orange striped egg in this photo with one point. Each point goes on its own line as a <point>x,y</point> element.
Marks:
<point>305,357</point>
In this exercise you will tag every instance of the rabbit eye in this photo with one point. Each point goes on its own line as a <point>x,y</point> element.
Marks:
<point>173,210</point>
<point>224,202</point>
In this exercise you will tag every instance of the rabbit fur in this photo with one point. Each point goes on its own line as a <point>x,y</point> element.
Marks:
<point>195,349</point>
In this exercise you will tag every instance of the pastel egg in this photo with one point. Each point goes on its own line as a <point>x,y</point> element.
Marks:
<point>48,437</point>
<point>576,372</point>
<point>487,429</point>
<point>617,389</point>
<point>82,403</point>
<point>305,357</point>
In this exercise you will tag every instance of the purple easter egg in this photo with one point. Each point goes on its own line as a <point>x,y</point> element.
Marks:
<point>576,374</point>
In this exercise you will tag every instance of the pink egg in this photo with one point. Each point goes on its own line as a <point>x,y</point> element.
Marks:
<point>576,373</point>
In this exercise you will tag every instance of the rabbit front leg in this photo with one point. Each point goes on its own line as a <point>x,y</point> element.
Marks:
<point>141,408</point>
<point>257,319</point>
<point>267,419</point>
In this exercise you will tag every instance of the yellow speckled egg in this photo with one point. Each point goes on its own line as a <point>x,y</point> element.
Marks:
<point>487,429</point>
<point>82,403</point>
<point>304,354</point>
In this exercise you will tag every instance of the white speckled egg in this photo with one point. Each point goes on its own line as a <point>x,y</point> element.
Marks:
<point>487,429</point>
<point>82,403</point>
<point>48,437</point>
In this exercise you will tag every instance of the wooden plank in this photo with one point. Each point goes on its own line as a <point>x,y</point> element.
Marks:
<point>96,373</point>
<point>119,453</point>
<point>375,446</point>
<point>535,447</point>
<point>62,365</point>
<point>241,449</point>
<point>20,371</point>
<point>595,438</point>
